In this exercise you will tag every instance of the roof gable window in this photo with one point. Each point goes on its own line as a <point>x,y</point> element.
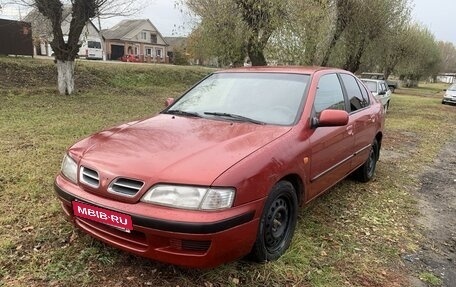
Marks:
<point>153,38</point>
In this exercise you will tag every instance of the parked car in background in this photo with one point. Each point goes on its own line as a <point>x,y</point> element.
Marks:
<point>92,49</point>
<point>130,58</point>
<point>380,90</point>
<point>450,95</point>
<point>392,85</point>
<point>221,171</point>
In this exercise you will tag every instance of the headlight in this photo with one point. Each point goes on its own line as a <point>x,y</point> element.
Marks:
<point>69,168</point>
<point>190,197</point>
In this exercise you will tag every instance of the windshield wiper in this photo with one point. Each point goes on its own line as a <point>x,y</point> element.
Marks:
<point>234,116</point>
<point>183,113</point>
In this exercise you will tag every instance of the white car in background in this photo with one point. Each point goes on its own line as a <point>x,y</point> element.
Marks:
<point>450,95</point>
<point>380,90</point>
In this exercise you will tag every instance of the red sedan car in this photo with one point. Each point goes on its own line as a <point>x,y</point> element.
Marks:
<point>220,172</point>
<point>130,58</point>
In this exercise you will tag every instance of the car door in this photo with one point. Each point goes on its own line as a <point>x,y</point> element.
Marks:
<point>384,89</point>
<point>361,117</point>
<point>331,147</point>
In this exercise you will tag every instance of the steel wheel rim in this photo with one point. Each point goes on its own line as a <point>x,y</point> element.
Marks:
<point>277,224</point>
<point>371,162</point>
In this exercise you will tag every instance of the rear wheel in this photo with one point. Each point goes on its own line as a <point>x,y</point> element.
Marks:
<point>277,223</point>
<point>366,172</point>
<point>386,107</point>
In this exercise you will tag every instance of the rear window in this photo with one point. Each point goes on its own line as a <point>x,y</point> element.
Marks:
<point>94,44</point>
<point>356,99</point>
<point>372,86</point>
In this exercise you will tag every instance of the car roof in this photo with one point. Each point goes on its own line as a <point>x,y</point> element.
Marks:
<point>280,69</point>
<point>371,80</point>
<point>376,74</point>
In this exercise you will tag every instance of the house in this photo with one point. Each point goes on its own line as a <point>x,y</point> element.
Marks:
<point>90,39</point>
<point>136,37</point>
<point>448,78</point>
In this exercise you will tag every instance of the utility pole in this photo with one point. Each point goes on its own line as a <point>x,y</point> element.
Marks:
<point>103,48</point>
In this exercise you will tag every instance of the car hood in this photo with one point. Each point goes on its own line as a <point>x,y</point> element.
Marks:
<point>450,93</point>
<point>173,149</point>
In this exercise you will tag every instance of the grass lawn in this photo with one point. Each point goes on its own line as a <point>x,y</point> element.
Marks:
<point>352,236</point>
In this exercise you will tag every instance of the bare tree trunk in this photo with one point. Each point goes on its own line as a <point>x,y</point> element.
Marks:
<point>255,53</point>
<point>65,74</point>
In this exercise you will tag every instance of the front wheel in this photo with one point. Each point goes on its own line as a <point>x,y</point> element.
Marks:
<point>277,223</point>
<point>366,172</point>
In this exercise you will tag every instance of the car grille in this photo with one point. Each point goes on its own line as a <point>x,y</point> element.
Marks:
<point>125,186</point>
<point>190,245</point>
<point>89,177</point>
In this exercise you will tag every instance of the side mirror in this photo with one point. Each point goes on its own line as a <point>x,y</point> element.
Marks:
<point>169,102</point>
<point>381,93</point>
<point>332,118</point>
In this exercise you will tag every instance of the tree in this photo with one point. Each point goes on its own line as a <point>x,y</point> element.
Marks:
<point>358,26</point>
<point>387,51</point>
<point>448,56</point>
<point>262,18</point>
<point>389,47</point>
<point>343,11</point>
<point>66,50</point>
<point>219,33</point>
<point>423,56</point>
<point>303,36</point>
<point>234,27</point>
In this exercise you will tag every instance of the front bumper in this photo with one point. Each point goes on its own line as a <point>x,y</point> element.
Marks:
<point>448,100</point>
<point>181,237</point>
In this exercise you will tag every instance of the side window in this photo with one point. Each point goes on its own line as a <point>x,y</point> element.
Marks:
<point>354,93</point>
<point>365,93</point>
<point>329,94</point>
<point>384,87</point>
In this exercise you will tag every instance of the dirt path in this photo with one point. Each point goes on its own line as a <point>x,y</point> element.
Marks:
<point>437,205</point>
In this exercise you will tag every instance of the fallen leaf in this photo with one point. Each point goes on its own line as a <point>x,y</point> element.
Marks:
<point>73,237</point>
<point>28,228</point>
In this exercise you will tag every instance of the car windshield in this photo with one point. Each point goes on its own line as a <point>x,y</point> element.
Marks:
<point>267,98</point>
<point>452,88</point>
<point>372,86</point>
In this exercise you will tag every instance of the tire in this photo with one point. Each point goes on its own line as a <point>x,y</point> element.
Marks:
<point>277,224</point>
<point>366,172</point>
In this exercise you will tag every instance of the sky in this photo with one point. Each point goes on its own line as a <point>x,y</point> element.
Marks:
<point>436,15</point>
